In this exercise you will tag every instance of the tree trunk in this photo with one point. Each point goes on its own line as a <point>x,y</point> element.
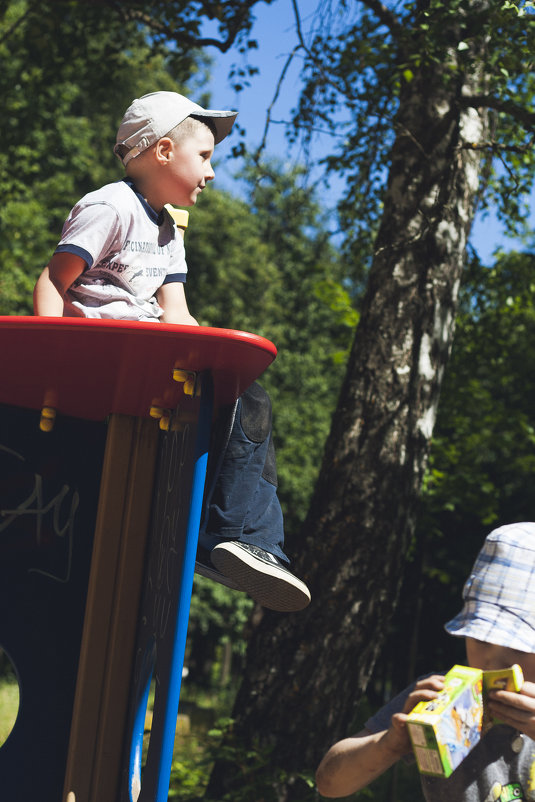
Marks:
<point>305,672</point>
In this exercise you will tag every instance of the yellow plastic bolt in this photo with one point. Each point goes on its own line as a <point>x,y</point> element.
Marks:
<point>180,375</point>
<point>164,422</point>
<point>189,378</point>
<point>48,417</point>
<point>189,386</point>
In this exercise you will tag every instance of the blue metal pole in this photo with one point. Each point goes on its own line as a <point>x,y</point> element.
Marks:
<point>186,583</point>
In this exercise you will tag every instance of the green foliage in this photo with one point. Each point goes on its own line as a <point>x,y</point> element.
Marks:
<point>216,633</point>
<point>256,776</point>
<point>216,607</point>
<point>193,759</point>
<point>483,448</point>
<point>521,8</point>
<point>9,706</point>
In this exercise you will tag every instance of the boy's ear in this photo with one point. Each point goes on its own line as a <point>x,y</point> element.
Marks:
<point>163,150</point>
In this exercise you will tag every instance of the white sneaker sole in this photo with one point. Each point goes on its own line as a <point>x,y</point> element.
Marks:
<point>270,585</point>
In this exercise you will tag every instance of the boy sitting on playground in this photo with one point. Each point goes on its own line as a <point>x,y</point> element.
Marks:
<point>122,256</point>
<point>498,623</point>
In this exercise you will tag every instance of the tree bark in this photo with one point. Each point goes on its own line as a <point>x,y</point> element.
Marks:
<point>306,672</point>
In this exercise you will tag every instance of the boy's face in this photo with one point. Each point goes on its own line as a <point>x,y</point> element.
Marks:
<point>490,656</point>
<point>189,167</point>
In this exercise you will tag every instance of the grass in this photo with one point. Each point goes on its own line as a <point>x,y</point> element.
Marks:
<point>9,706</point>
<point>192,759</point>
<point>199,712</point>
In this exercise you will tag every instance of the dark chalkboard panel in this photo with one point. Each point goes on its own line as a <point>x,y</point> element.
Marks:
<point>49,486</point>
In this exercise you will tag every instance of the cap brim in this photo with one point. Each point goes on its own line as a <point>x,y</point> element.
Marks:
<point>492,624</point>
<point>222,120</point>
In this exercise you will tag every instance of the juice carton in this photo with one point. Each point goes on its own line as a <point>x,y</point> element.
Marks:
<point>503,679</point>
<point>445,729</point>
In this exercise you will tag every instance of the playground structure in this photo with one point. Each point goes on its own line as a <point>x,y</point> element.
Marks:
<point>104,436</point>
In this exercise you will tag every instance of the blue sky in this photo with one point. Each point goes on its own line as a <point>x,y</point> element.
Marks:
<point>274,31</point>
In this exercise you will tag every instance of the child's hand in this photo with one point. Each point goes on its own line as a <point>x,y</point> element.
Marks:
<point>515,709</point>
<point>424,690</point>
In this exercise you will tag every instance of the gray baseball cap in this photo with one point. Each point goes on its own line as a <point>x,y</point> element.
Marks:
<point>152,116</point>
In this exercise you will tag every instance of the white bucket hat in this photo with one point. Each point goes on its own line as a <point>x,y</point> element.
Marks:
<point>152,116</point>
<point>499,594</point>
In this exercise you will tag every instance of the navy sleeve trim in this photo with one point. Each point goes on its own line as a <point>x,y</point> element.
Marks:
<point>173,277</point>
<point>74,249</point>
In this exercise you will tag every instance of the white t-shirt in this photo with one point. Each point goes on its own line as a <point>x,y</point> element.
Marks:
<point>130,252</point>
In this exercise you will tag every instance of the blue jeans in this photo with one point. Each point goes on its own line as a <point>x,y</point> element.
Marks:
<point>241,501</point>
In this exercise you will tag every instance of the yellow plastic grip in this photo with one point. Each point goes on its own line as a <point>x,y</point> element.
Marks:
<point>180,216</point>
<point>189,378</point>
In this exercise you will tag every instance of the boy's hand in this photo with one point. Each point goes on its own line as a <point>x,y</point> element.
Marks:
<point>515,709</point>
<point>172,299</point>
<point>426,689</point>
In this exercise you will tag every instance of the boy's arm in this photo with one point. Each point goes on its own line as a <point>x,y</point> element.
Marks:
<point>172,298</point>
<point>53,283</point>
<point>353,763</point>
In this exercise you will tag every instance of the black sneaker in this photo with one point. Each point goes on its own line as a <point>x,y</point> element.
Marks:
<point>204,567</point>
<point>261,575</point>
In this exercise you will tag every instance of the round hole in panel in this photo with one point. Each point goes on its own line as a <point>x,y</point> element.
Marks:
<point>9,696</point>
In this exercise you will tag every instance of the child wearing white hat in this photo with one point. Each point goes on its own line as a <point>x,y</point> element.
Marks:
<point>498,624</point>
<point>122,256</point>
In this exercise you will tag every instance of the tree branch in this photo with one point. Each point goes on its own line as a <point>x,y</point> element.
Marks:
<point>182,36</point>
<point>17,22</point>
<point>274,100</point>
<point>523,115</point>
<point>132,15</point>
<point>498,147</point>
<point>301,45</point>
<point>297,16</point>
